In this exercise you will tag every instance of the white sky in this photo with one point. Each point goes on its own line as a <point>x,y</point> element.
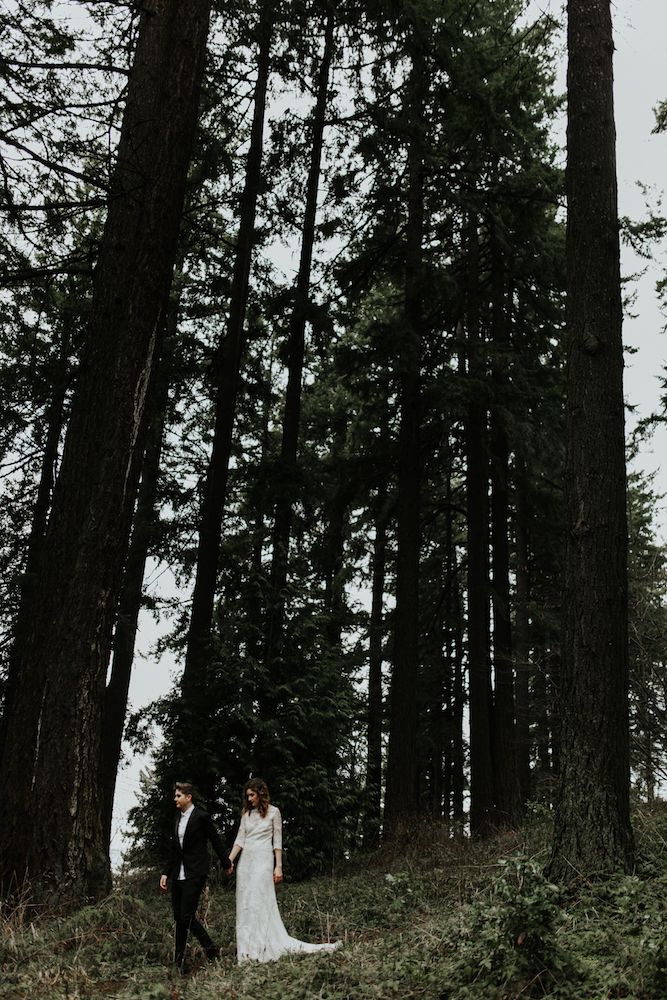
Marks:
<point>640,38</point>
<point>641,48</point>
<point>641,51</point>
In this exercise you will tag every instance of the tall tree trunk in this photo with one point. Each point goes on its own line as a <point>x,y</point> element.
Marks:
<point>401,799</point>
<point>443,714</point>
<point>129,604</point>
<point>437,687</point>
<point>261,504</point>
<point>507,795</point>
<point>227,371</point>
<point>481,765</point>
<point>543,771</point>
<point>592,834</point>
<point>342,490</point>
<point>287,474</point>
<point>554,662</point>
<point>521,632</point>
<point>40,514</point>
<point>458,699</point>
<point>440,726</point>
<point>373,800</point>
<point>50,765</point>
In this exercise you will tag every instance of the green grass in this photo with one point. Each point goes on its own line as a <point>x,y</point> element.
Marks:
<point>438,920</point>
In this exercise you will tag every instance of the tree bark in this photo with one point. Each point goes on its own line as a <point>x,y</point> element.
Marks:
<point>437,685</point>
<point>51,761</point>
<point>373,801</point>
<point>593,835</point>
<point>40,514</point>
<point>458,756</point>
<point>507,795</point>
<point>440,728</point>
<point>521,632</point>
<point>542,778</point>
<point>401,798</point>
<point>342,490</point>
<point>554,661</point>
<point>443,713</point>
<point>129,604</point>
<point>481,765</point>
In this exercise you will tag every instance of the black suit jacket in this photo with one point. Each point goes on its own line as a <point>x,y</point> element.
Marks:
<point>194,853</point>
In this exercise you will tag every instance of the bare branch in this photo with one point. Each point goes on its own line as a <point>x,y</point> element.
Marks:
<point>68,65</point>
<point>49,205</point>
<point>58,167</point>
<point>29,275</point>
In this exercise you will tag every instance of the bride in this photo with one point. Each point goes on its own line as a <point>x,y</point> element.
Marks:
<point>260,932</point>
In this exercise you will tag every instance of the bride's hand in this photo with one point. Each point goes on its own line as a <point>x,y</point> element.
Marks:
<point>277,876</point>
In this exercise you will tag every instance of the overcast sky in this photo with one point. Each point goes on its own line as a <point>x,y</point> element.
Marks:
<point>641,51</point>
<point>641,47</point>
<point>640,37</point>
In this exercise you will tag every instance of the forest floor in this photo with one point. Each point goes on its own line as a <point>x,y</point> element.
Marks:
<point>439,920</point>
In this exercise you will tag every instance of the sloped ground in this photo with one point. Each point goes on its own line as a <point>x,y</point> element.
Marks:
<point>437,920</point>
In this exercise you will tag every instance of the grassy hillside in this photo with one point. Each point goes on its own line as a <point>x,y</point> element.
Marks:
<point>437,920</point>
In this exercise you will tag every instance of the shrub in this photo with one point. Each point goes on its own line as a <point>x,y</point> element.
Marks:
<point>510,936</point>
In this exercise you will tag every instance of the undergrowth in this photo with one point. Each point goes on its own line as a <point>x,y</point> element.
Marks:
<point>438,920</point>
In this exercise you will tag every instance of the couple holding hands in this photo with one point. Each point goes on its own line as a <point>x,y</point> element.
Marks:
<point>260,932</point>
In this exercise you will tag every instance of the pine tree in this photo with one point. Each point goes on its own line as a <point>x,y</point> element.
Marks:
<point>592,832</point>
<point>52,745</point>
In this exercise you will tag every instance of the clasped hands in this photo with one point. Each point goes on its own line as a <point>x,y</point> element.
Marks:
<point>164,878</point>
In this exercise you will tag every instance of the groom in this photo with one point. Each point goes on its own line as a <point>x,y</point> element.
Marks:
<point>187,865</point>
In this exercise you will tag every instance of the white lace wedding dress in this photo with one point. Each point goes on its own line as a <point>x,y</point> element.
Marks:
<point>260,932</point>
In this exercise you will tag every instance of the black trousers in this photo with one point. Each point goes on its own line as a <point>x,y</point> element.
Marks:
<point>185,895</point>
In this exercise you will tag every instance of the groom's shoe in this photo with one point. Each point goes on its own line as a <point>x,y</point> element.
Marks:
<point>181,967</point>
<point>213,953</point>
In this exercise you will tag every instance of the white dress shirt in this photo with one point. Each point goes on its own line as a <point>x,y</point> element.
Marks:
<point>182,823</point>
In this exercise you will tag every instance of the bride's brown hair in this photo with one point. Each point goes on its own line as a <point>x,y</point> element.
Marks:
<point>262,789</point>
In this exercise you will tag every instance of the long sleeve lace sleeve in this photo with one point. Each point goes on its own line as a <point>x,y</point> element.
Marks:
<point>277,831</point>
<point>240,836</point>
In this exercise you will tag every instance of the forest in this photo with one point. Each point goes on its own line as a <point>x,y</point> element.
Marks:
<point>306,309</point>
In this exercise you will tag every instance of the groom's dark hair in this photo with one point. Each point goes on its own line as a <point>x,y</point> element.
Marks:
<point>186,787</point>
